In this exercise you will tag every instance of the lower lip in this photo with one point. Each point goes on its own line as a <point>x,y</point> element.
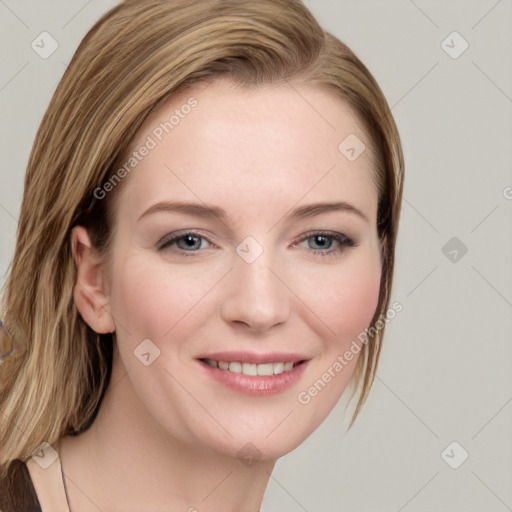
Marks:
<point>255,385</point>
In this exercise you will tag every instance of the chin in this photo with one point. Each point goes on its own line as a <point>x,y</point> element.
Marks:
<point>255,441</point>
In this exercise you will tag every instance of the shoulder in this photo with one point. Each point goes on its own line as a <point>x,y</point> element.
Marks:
<point>17,490</point>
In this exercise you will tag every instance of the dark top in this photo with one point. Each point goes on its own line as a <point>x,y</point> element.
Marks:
<point>17,493</point>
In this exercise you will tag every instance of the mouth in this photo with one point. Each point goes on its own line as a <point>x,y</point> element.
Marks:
<point>254,374</point>
<point>253,369</point>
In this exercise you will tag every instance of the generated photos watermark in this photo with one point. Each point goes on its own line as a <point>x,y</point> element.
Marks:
<point>151,142</point>
<point>305,397</point>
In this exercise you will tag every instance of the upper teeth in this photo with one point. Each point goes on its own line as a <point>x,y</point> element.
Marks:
<point>252,369</point>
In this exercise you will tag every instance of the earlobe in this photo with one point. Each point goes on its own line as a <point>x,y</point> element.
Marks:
<point>90,291</point>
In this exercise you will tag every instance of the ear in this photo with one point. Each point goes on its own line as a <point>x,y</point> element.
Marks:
<point>90,292</point>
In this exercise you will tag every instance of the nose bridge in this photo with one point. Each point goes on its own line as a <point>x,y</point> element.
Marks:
<point>257,297</point>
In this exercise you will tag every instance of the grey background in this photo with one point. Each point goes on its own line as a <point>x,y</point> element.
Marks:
<point>445,373</point>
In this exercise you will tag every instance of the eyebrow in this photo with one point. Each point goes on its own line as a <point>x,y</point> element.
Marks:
<point>206,211</point>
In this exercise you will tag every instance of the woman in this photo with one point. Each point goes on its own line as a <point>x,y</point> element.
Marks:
<point>205,255</point>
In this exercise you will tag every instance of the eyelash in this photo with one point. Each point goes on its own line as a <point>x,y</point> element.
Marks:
<point>344,241</point>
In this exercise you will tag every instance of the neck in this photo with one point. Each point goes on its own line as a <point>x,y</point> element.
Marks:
<point>126,461</point>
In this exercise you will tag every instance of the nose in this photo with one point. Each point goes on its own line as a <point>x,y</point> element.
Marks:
<point>256,298</point>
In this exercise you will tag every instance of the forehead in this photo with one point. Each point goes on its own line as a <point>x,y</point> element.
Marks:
<point>259,149</point>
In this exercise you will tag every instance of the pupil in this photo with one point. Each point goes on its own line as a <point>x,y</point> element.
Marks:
<point>191,242</point>
<point>321,242</point>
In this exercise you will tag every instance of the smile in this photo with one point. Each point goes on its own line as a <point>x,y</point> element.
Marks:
<point>254,374</point>
<point>252,369</point>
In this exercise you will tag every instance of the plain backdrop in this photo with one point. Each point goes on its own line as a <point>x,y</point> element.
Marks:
<point>435,434</point>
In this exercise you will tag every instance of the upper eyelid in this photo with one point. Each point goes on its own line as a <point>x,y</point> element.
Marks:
<point>324,232</point>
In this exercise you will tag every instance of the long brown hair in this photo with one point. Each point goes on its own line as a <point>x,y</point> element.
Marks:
<point>133,60</point>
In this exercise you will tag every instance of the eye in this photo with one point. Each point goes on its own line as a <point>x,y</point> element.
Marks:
<point>325,243</point>
<point>184,241</point>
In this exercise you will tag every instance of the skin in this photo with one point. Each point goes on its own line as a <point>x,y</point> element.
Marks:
<point>167,434</point>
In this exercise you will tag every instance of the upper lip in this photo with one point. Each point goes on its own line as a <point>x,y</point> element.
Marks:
<point>249,357</point>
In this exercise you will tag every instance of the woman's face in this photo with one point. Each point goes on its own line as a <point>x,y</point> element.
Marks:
<point>245,239</point>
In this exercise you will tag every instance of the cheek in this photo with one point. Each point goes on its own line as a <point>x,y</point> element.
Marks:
<point>151,297</point>
<point>352,310</point>
<point>344,297</point>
